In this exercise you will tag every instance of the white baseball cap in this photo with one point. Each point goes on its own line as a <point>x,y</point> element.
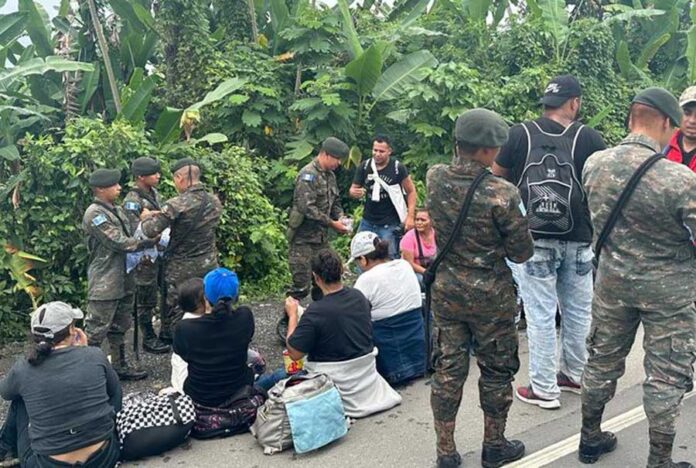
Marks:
<point>53,317</point>
<point>362,244</point>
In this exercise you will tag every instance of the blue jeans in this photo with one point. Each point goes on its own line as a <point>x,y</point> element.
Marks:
<point>388,232</point>
<point>559,274</point>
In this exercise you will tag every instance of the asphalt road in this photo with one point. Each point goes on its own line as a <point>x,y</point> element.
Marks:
<point>404,437</point>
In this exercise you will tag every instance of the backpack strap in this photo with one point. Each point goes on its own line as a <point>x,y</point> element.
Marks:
<point>418,243</point>
<point>623,199</point>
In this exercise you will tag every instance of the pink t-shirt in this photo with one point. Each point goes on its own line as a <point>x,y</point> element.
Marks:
<point>410,244</point>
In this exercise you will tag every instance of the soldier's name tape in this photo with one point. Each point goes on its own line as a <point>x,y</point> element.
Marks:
<point>565,447</point>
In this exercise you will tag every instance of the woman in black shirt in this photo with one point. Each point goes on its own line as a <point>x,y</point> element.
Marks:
<point>215,348</point>
<point>64,397</point>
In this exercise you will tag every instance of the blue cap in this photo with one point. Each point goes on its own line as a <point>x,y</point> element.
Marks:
<point>219,284</point>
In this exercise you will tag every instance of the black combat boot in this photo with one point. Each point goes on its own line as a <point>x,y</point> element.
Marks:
<point>151,343</point>
<point>453,460</point>
<point>592,448</point>
<point>497,450</point>
<point>661,451</point>
<point>123,368</point>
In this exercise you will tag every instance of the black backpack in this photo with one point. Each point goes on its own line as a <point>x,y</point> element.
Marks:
<point>549,186</point>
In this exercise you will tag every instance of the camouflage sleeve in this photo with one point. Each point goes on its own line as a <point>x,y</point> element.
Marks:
<point>153,226</point>
<point>111,235</point>
<point>133,207</point>
<point>513,227</point>
<point>306,199</point>
<point>336,209</point>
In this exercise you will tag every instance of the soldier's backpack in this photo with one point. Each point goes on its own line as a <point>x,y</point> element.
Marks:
<point>549,186</point>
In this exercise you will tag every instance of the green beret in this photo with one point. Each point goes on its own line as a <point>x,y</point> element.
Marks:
<point>183,162</point>
<point>335,148</point>
<point>145,167</point>
<point>104,178</point>
<point>481,127</point>
<point>662,100</point>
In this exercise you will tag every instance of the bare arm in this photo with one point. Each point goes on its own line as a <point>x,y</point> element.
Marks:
<point>411,198</point>
<point>411,259</point>
<point>500,171</point>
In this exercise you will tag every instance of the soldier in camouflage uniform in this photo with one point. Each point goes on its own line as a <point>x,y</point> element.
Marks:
<point>473,294</point>
<point>109,288</point>
<point>193,216</point>
<point>646,274</point>
<point>144,195</point>
<point>316,208</point>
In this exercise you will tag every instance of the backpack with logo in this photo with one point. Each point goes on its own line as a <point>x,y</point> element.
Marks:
<point>549,185</point>
<point>151,424</point>
<point>304,411</point>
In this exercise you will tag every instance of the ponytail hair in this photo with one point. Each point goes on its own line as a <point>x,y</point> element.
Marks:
<point>222,306</point>
<point>42,347</point>
<point>381,251</point>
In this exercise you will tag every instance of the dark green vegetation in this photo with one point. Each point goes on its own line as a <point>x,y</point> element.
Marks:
<point>250,87</point>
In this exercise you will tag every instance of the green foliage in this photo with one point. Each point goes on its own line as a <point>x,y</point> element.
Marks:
<point>55,193</point>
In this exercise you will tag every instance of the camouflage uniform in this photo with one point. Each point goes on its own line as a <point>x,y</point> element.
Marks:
<point>315,205</point>
<point>192,251</point>
<point>109,288</point>
<point>646,275</point>
<point>147,271</point>
<point>473,295</point>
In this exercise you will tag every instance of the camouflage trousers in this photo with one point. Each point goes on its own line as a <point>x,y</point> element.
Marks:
<point>495,335</point>
<point>300,261</point>
<point>108,319</point>
<point>146,301</point>
<point>176,272</point>
<point>669,343</point>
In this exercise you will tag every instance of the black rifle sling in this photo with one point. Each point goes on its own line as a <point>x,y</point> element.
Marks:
<point>418,243</point>
<point>623,199</point>
<point>429,273</point>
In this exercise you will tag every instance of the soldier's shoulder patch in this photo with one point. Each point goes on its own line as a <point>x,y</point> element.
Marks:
<point>308,177</point>
<point>99,220</point>
<point>132,206</point>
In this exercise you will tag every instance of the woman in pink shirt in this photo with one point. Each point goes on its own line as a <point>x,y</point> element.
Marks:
<point>418,245</point>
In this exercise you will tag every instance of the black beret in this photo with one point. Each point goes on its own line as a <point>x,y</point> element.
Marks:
<point>145,167</point>
<point>104,178</point>
<point>335,148</point>
<point>183,162</point>
<point>662,100</point>
<point>481,127</point>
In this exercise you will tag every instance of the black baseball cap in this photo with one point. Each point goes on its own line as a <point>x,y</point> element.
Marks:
<point>560,89</point>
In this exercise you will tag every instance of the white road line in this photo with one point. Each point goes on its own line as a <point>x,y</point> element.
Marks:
<point>567,446</point>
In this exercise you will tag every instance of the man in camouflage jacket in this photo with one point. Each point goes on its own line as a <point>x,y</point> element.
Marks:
<point>193,217</point>
<point>473,294</point>
<point>144,196</point>
<point>109,288</point>
<point>646,275</point>
<point>316,208</point>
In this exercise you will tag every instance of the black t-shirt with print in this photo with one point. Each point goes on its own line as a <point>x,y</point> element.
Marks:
<point>336,328</point>
<point>383,211</point>
<point>687,156</point>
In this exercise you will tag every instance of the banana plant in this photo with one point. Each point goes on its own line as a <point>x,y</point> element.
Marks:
<point>19,264</point>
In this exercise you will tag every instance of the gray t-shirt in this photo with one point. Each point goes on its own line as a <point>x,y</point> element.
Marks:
<point>71,398</point>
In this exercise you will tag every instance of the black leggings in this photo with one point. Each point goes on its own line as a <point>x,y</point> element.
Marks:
<point>14,436</point>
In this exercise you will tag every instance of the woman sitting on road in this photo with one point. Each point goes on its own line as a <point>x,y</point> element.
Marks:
<point>418,245</point>
<point>214,347</point>
<point>64,397</point>
<point>193,304</point>
<point>392,288</point>
<point>336,335</point>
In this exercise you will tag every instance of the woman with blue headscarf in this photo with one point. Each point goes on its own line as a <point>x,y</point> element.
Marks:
<point>214,346</point>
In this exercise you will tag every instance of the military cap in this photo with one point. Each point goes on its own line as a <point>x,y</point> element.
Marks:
<point>481,127</point>
<point>183,162</point>
<point>104,178</point>
<point>662,100</point>
<point>335,148</point>
<point>688,96</point>
<point>145,167</point>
